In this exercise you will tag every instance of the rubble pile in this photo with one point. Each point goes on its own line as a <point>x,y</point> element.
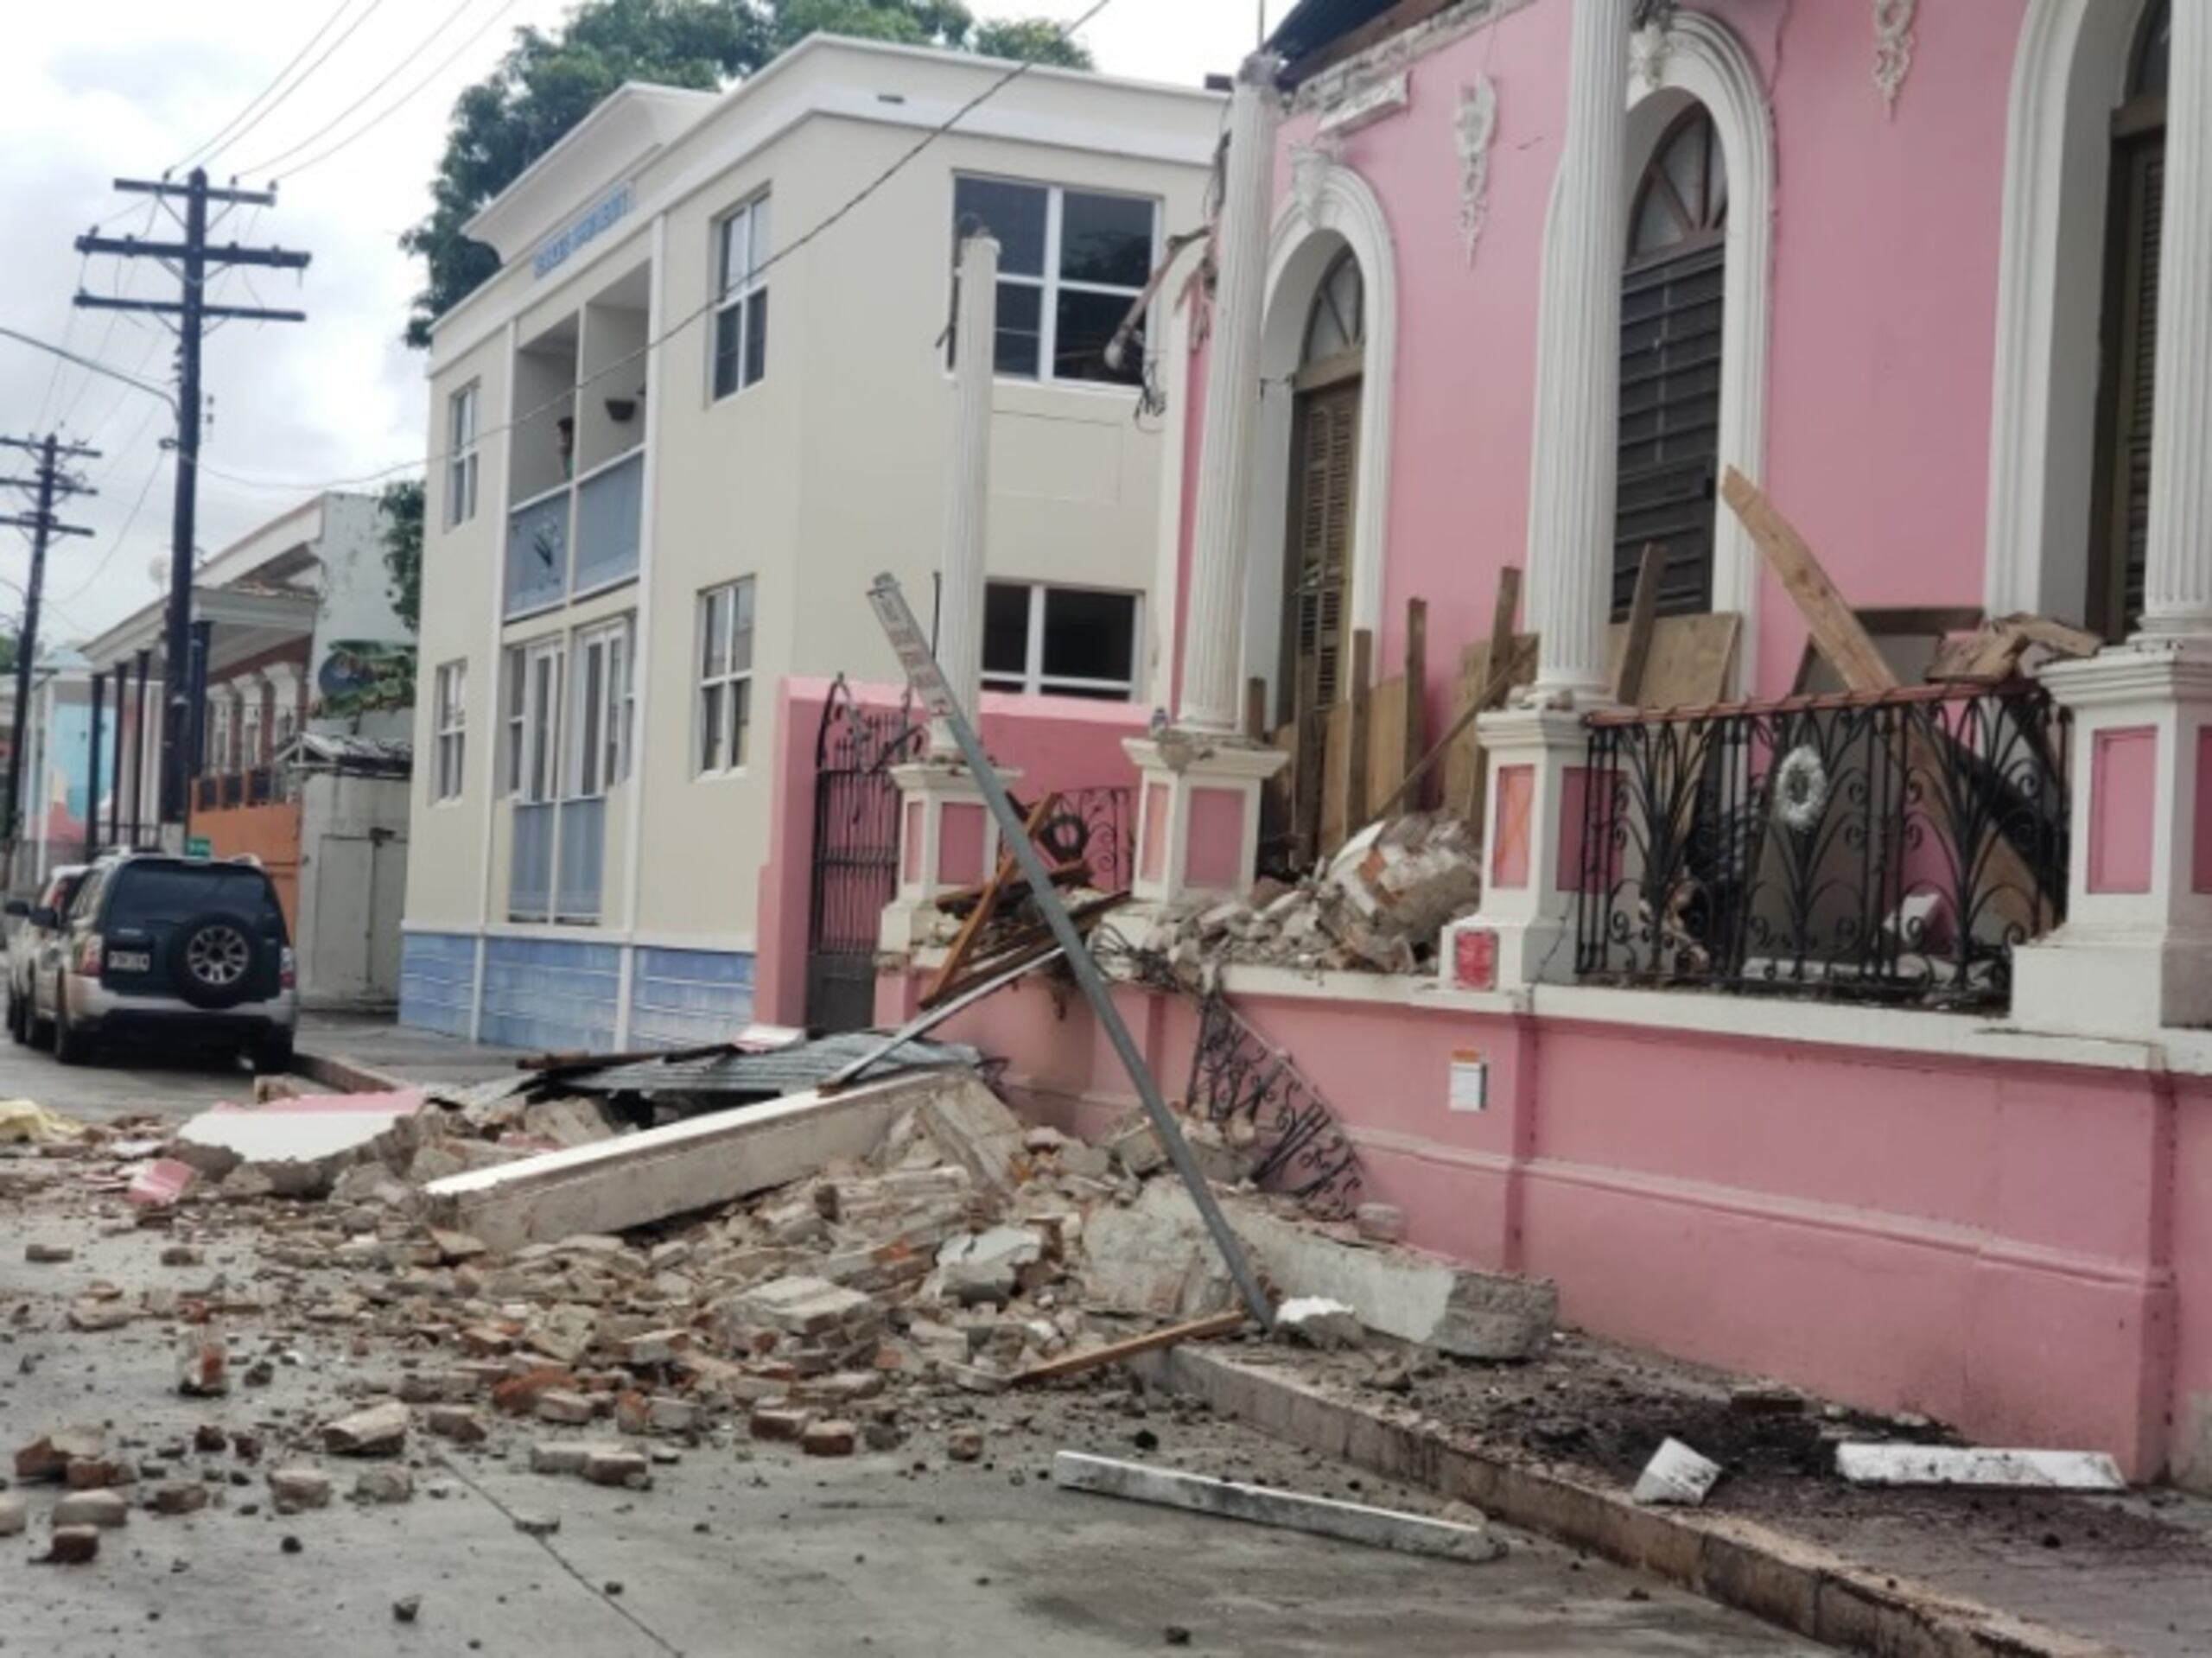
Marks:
<point>1379,905</point>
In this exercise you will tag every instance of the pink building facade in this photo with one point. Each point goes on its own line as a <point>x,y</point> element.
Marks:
<point>1519,284</point>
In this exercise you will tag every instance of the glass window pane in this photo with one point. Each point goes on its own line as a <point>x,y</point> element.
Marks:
<point>593,688</point>
<point>762,246</point>
<point>740,707</point>
<point>1105,239</point>
<point>1089,635</point>
<point>1086,321</point>
<point>710,729</point>
<point>756,337</point>
<point>1005,630</point>
<point>740,648</point>
<point>1022,312</point>
<point>1012,212</point>
<point>713,633</point>
<point>733,251</point>
<point>727,326</point>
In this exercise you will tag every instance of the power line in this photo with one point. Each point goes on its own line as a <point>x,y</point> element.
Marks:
<point>836,215</point>
<point>53,486</point>
<point>116,545</point>
<point>267,168</point>
<point>253,102</point>
<point>305,75</point>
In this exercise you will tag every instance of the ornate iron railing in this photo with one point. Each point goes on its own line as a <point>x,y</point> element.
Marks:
<point>1888,847</point>
<point>1097,825</point>
<point>1256,1092</point>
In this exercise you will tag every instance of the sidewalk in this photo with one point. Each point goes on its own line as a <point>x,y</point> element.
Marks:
<point>1555,1445</point>
<point>361,1052</point>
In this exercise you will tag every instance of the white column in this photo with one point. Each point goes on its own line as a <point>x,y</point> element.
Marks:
<point>2177,576</point>
<point>1212,655</point>
<point>968,496</point>
<point>1577,392</point>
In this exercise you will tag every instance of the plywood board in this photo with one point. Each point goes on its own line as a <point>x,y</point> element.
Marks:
<point>1690,662</point>
<point>1387,742</point>
<point>1335,777</point>
<point>1462,760</point>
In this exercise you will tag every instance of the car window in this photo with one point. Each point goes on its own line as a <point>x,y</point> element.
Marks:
<point>87,898</point>
<point>59,894</point>
<point>150,894</point>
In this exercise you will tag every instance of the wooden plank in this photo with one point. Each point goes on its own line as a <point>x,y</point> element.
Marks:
<point>1334,769</point>
<point>986,904</point>
<point>1636,638</point>
<point>1497,682</point>
<point>1835,629</point>
<point>1359,724</point>
<point>1416,721</point>
<point>1255,709</point>
<point>1692,660</point>
<point>1386,744</point>
<point>1075,1364</point>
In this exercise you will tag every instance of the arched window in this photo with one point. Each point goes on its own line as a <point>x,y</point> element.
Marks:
<point>2120,509</point>
<point>1337,321</point>
<point>1671,313</point>
<point>1324,458</point>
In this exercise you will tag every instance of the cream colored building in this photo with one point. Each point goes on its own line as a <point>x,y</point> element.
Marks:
<point>705,400</point>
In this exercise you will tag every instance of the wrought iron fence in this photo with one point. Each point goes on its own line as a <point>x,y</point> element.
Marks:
<point>1889,847</point>
<point>1257,1094</point>
<point>1097,825</point>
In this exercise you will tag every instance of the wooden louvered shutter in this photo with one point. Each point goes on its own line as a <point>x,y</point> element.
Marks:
<point>2142,179</point>
<point>1327,451</point>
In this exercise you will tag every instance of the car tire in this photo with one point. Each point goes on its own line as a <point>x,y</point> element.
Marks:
<point>215,961</point>
<point>40,1030</point>
<point>272,1055</point>
<point>71,1045</point>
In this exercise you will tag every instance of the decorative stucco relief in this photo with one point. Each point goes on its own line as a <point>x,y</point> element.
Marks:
<point>1893,44</point>
<point>1309,172</point>
<point>1653,40</point>
<point>1472,130</point>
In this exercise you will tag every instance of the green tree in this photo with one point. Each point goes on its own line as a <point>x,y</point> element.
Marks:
<point>550,80</point>
<point>400,525</point>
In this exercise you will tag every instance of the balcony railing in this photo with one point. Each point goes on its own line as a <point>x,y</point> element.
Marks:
<point>1893,847</point>
<point>530,862</point>
<point>537,553</point>
<point>1097,825</point>
<point>610,507</point>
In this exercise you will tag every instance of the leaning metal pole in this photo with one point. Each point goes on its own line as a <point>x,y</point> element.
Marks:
<point>930,684</point>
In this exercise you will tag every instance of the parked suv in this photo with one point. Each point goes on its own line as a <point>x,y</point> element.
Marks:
<point>33,949</point>
<point>180,950</point>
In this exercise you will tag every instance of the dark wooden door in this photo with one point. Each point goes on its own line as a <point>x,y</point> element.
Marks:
<point>1325,456</point>
<point>2119,533</point>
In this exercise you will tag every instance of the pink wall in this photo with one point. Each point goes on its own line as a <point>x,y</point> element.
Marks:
<point>1882,331</point>
<point>1055,742</point>
<point>2022,1251</point>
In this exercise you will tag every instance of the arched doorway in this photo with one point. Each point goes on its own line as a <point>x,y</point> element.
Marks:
<point>1324,482</point>
<point>1672,312</point>
<point>2121,501</point>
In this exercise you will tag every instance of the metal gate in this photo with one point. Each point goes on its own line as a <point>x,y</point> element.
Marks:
<point>856,854</point>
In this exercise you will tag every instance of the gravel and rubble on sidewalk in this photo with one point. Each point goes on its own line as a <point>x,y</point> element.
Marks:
<point>2132,1571</point>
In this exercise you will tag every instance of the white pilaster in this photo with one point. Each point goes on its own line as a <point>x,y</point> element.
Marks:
<point>1212,700</point>
<point>968,493</point>
<point>1579,325</point>
<point>2177,576</point>
<point>1532,855</point>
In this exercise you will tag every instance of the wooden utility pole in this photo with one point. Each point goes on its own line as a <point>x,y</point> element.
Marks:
<point>52,486</point>
<point>189,313</point>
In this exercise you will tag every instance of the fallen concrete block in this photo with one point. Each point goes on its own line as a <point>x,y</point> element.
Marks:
<point>616,1184</point>
<point>380,1431</point>
<point>389,1483</point>
<point>14,1515</point>
<point>293,1489</point>
<point>618,1467</point>
<point>1318,1322</point>
<point>984,1266</point>
<point>73,1546</point>
<point>1351,1522</point>
<point>47,1255</point>
<point>1155,1256</point>
<point>102,1508</point>
<point>1676,1475</point>
<point>1927,1464</point>
<point>300,1145</point>
<point>178,1496</point>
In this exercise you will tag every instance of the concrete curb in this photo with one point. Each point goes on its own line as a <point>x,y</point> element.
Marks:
<point>348,1076</point>
<point>1800,1586</point>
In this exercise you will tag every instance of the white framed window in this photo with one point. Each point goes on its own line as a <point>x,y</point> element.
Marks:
<point>462,412</point>
<point>534,720</point>
<point>218,755</point>
<point>1054,641</point>
<point>606,700</point>
<point>449,705</point>
<point>1071,263</point>
<point>724,720</point>
<point>739,341</point>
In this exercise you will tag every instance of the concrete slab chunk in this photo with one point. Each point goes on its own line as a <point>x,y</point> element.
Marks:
<point>1351,1522</point>
<point>616,1184</point>
<point>1928,1464</point>
<point>1676,1475</point>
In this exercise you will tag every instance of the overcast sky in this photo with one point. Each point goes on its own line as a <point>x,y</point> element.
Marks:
<point>100,89</point>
